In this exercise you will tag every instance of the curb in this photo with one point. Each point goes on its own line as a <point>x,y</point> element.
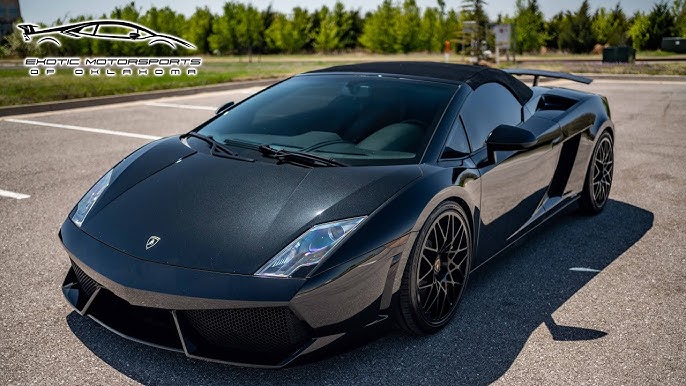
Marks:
<point>133,97</point>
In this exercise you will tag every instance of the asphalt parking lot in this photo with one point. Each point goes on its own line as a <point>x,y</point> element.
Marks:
<point>587,300</point>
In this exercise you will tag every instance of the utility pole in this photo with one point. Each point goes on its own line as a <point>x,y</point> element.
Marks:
<point>471,27</point>
<point>514,52</point>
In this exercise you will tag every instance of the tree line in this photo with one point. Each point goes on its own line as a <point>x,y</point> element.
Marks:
<point>579,31</point>
<point>393,27</point>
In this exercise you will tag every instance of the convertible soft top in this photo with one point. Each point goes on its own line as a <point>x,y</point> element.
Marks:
<point>474,76</point>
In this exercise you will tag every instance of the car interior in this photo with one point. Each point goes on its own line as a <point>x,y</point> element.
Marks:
<point>381,119</point>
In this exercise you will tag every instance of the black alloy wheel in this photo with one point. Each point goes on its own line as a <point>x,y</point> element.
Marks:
<point>599,176</point>
<point>436,273</point>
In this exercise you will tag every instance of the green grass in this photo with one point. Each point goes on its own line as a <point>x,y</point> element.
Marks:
<point>20,88</point>
<point>657,54</point>
<point>676,68</point>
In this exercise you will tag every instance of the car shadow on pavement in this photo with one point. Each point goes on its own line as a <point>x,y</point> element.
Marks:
<point>507,299</point>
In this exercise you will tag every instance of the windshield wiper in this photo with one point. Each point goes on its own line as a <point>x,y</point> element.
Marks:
<point>298,157</point>
<point>216,148</point>
<point>213,143</point>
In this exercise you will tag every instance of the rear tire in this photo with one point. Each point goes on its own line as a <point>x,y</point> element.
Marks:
<point>598,176</point>
<point>436,273</point>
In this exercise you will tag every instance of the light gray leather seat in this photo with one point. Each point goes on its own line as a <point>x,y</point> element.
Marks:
<point>396,137</point>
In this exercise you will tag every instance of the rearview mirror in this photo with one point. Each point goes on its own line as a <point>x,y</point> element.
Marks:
<point>224,107</point>
<point>508,138</point>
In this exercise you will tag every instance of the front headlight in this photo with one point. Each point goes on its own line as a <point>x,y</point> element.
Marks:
<point>90,198</point>
<point>302,255</point>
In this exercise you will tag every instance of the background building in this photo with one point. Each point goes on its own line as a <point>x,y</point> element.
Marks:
<point>9,13</point>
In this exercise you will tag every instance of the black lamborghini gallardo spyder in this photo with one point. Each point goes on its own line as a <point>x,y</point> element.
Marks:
<point>329,202</point>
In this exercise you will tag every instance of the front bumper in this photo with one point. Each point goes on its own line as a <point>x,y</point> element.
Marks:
<point>236,319</point>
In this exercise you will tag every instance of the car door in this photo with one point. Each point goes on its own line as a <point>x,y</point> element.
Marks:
<point>512,187</point>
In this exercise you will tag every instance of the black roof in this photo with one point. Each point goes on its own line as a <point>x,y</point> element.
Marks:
<point>474,76</point>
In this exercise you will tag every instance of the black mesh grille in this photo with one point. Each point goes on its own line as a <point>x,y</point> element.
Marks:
<point>87,283</point>
<point>272,329</point>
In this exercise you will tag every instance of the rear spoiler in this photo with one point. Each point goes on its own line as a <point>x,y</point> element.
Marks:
<point>548,74</point>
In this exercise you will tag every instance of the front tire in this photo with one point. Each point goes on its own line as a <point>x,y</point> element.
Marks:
<point>599,176</point>
<point>436,273</point>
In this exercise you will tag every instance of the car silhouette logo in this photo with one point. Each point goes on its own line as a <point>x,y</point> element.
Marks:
<point>120,30</point>
<point>152,241</point>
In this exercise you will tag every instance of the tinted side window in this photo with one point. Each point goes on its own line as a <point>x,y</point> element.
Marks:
<point>457,145</point>
<point>487,107</point>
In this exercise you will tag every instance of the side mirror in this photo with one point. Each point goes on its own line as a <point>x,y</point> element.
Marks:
<point>508,138</point>
<point>224,107</point>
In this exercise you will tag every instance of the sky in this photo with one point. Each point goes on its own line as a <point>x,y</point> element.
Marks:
<point>47,11</point>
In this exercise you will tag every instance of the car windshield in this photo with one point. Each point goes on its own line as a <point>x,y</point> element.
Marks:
<point>355,119</point>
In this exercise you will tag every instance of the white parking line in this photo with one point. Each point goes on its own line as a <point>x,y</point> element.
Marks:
<point>180,106</point>
<point>80,128</point>
<point>18,196</point>
<point>582,269</point>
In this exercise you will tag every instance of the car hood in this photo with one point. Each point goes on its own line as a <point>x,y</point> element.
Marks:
<point>228,215</point>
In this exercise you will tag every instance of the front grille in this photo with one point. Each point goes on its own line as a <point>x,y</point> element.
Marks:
<point>261,335</point>
<point>268,329</point>
<point>87,283</point>
<point>151,325</point>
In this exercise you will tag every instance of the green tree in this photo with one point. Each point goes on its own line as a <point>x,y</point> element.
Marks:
<point>349,25</point>
<point>239,30</point>
<point>679,12</point>
<point>554,28</point>
<point>279,35</point>
<point>530,24</point>
<point>249,30</point>
<point>69,47</point>
<point>431,30</point>
<point>327,38</point>
<point>406,27</point>
<point>610,27</point>
<point>375,35</point>
<point>601,25</point>
<point>639,31</point>
<point>268,16</point>
<point>224,36</point>
<point>289,35</point>
<point>336,29</point>
<point>131,13</point>
<point>199,28</point>
<point>16,46</point>
<point>577,32</point>
<point>619,26</point>
<point>452,28</point>
<point>661,24</point>
<point>164,20</point>
<point>102,47</point>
